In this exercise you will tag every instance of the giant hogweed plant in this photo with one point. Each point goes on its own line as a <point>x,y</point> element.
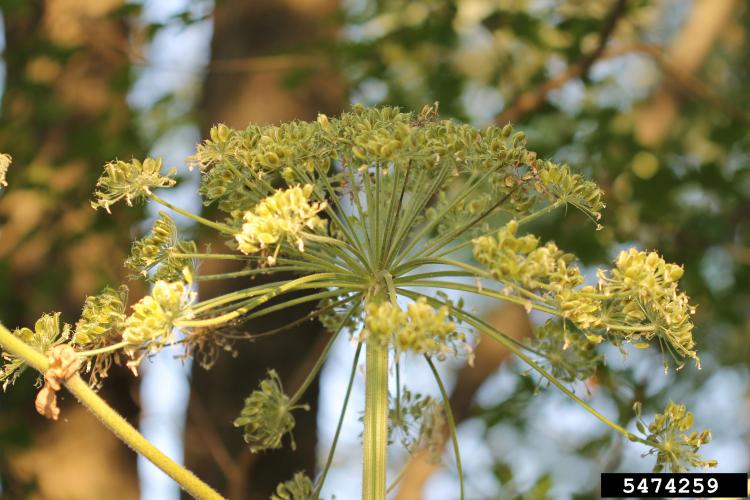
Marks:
<point>377,214</point>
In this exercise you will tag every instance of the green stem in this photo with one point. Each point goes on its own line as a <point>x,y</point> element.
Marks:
<point>524,220</point>
<point>216,225</point>
<point>246,272</point>
<point>438,284</point>
<point>451,424</point>
<point>507,341</point>
<point>340,424</point>
<point>103,350</point>
<point>111,419</point>
<point>214,256</point>
<point>323,356</point>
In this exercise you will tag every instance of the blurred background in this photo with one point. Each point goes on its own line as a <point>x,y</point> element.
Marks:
<point>649,98</point>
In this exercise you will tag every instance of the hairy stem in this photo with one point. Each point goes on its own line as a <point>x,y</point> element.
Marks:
<point>111,419</point>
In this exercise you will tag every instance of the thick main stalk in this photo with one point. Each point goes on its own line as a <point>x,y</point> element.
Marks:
<point>376,421</point>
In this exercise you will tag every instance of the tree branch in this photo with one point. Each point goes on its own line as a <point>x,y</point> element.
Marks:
<point>529,101</point>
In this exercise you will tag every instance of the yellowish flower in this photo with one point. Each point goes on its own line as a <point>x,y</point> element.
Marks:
<point>285,215</point>
<point>153,316</point>
<point>421,328</point>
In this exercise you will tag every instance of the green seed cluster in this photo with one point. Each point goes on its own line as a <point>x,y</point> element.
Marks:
<point>300,487</point>
<point>520,259</point>
<point>153,316</point>
<point>638,299</point>
<point>267,415</point>
<point>46,335</point>
<point>131,180</point>
<point>103,317</point>
<point>420,329</point>
<point>571,188</point>
<point>160,248</point>
<point>379,200</point>
<point>241,167</point>
<point>676,449</point>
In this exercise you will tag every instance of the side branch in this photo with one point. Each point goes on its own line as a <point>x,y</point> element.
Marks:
<point>111,419</point>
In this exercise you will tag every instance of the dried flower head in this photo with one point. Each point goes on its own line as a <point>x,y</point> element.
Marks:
<point>5,161</point>
<point>267,415</point>
<point>130,180</point>
<point>63,364</point>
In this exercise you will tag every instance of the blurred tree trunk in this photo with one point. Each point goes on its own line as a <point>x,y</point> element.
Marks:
<point>64,113</point>
<point>249,81</point>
